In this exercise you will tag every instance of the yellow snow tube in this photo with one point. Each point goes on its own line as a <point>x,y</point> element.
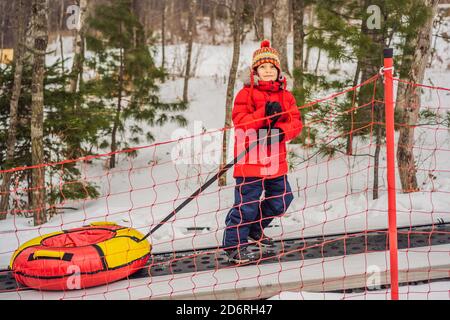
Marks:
<point>100,253</point>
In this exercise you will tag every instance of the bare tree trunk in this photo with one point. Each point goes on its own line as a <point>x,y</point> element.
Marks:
<point>191,26</point>
<point>237,30</point>
<point>202,9</point>
<point>60,29</point>
<point>291,17</point>
<point>399,102</point>
<point>194,19</point>
<point>78,59</point>
<point>280,30</point>
<point>145,23</point>
<point>76,74</point>
<point>299,40</point>
<point>405,67</point>
<point>308,49</point>
<point>3,26</point>
<point>319,56</point>
<point>29,41</point>
<point>40,11</point>
<point>134,9</point>
<point>212,19</point>
<point>112,160</point>
<point>411,97</point>
<point>379,114</point>
<point>369,64</point>
<point>20,21</point>
<point>364,69</point>
<point>259,19</point>
<point>163,34</point>
<point>349,147</point>
<point>176,19</point>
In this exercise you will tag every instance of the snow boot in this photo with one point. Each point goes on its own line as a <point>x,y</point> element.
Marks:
<point>242,256</point>
<point>262,240</point>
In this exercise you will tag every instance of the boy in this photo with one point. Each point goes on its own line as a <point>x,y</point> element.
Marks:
<point>266,111</point>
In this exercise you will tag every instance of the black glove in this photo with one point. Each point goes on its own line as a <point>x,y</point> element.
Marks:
<point>273,108</point>
<point>273,136</point>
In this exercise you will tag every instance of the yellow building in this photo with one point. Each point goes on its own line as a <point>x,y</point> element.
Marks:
<point>6,56</point>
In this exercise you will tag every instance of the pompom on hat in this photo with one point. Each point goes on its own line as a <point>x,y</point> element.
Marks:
<point>266,54</point>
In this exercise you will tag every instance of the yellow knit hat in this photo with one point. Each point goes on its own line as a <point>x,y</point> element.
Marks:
<point>266,54</point>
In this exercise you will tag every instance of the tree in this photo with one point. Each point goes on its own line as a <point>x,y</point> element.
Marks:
<point>299,8</point>
<point>20,21</point>
<point>259,19</point>
<point>280,31</point>
<point>410,99</point>
<point>190,31</point>
<point>299,40</point>
<point>40,11</point>
<point>79,44</point>
<point>76,75</point>
<point>60,36</point>
<point>370,59</point>
<point>61,125</point>
<point>175,16</point>
<point>163,34</point>
<point>237,30</point>
<point>3,27</point>
<point>343,35</point>
<point>212,20</point>
<point>127,76</point>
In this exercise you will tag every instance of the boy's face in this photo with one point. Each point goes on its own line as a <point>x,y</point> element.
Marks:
<point>267,72</point>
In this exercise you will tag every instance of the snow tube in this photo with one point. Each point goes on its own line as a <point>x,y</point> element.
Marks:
<point>80,258</point>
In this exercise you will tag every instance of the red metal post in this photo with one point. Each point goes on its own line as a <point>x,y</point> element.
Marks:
<point>390,150</point>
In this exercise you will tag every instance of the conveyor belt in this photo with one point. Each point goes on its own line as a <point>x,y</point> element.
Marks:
<point>288,250</point>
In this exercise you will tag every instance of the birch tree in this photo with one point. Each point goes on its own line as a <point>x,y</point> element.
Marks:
<point>280,30</point>
<point>237,30</point>
<point>163,34</point>
<point>299,40</point>
<point>212,20</point>
<point>40,13</point>
<point>191,26</point>
<point>410,100</point>
<point>259,19</point>
<point>79,46</point>
<point>20,23</point>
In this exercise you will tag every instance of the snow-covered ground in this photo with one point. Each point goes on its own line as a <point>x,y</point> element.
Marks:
<point>431,291</point>
<point>266,280</point>
<point>331,195</point>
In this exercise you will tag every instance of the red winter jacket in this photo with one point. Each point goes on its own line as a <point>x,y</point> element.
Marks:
<point>249,116</point>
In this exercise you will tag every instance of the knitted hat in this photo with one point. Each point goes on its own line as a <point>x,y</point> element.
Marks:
<point>266,54</point>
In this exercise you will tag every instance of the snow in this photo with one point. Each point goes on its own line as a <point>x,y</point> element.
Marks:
<point>431,291</point>
<point>253,282</point>
<point>331,195</point>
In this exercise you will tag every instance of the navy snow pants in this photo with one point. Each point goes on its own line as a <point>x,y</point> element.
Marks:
<point>250,215</point>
